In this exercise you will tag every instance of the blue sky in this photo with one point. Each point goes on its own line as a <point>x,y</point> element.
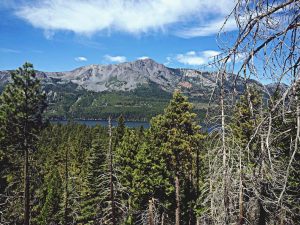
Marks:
<point>58,35</point>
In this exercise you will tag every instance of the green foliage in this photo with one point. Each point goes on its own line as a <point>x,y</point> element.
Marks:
<point>176,132</point>
<point>140,104</point>
<point>50,212</point>
<point>125,156</point>
<point>22,104</point>
<point>151,179</point>
<point>69,163</point>
<point>91,196</point>
<point>125,164</point>
<point>246,118</point>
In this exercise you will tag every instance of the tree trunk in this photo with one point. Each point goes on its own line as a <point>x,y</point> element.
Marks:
<point>241,219</point>
<point>197,171</point>
<point>151,214</point>
<point>192,196</point>
<point>163,218</point>
<point>177,190</point>
<point>282,217</point>
<point>262,214</point>
<point>262,211</point>
<point>225,184</point>
<point>241,202</point>
<point>26,187</point>
<point>113,214</point>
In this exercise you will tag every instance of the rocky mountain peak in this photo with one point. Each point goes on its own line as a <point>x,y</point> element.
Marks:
<point>129,76</point>
<point>121,77</point>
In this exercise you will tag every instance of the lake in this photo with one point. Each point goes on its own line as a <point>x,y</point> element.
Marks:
<point>130,124</point>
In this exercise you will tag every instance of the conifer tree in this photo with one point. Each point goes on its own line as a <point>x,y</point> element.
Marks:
<point>176,133</point>
<point>113,209</point>
<point>50,213</point>
<point>96,159</point>
<point>126,164</point>
<point>152,185</point>
<point>21,109</point>
<point>125,156</point>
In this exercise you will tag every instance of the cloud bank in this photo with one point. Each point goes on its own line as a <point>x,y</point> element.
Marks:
<point>193,58</point>
<point>88,17</point>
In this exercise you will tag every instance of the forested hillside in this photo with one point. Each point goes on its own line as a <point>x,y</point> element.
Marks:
<point>75,174</point>
<point>244,169</point>
<point>138,90</point>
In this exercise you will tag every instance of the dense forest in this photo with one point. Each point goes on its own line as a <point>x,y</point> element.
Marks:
<point>242,168</point>
<point>75,174</point>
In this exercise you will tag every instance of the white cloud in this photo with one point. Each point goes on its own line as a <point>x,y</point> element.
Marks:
<point>115,59</point>
<point>91,16</point>
<point>193,58</point>
<point>143,57</point>
<point>211,28</point>
<point>81,59</point>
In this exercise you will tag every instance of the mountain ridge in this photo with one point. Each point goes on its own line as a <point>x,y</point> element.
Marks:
<point>139,90</point>
<point>128,76</point>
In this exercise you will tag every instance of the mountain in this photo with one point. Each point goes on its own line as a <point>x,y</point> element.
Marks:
<point>138,89</point>
<point>127,77</point>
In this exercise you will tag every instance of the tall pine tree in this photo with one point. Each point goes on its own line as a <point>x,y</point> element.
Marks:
<point>90,206</point>
<point>176,133</point>
<point>22,104</point>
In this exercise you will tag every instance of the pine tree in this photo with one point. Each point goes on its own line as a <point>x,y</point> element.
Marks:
<point>21,108</point>
<point>113,209</point>
<point>126,164</point>
<point>151,180</point>
<point>125,156</point>
<point>96,159</point>
<point>50,213</point>
<point>176,133</point>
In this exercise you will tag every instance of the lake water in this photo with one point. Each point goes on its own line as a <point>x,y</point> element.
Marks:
<point>130,124</point>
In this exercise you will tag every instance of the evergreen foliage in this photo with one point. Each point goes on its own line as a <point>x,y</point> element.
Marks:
<point>161,175</point>
<point>22,104</point>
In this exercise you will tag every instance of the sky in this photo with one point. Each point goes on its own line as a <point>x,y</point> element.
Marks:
<point>60,35</point>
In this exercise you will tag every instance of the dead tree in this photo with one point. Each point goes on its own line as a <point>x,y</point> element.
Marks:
<point>112,207</point>
<point>265,46</point>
